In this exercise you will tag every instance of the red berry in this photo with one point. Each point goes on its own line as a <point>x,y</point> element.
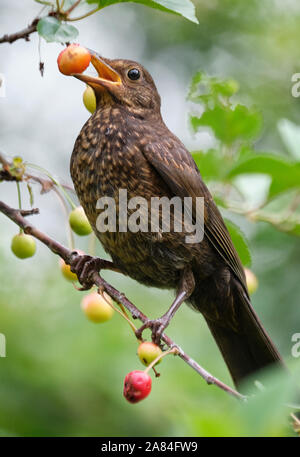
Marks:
<point>137,386</point>
<point>73,59</point>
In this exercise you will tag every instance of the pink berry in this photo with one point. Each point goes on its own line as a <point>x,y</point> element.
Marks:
<point>137,386</point>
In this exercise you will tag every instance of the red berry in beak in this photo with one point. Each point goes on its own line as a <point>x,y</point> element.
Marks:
<point>73,59</point>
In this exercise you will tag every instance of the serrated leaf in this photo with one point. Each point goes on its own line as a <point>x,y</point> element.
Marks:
<point>51,29</point>
<point>184,8</point>
<point>240,242</point>
<point>205,89</point>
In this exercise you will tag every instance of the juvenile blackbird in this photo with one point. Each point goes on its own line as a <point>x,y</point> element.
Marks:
<point>126,145</point>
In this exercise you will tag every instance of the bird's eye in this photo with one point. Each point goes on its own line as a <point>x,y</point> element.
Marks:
<point>134,74</point>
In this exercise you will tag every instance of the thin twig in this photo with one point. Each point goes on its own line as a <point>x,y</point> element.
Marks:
<point>21,34</point>
<point>85,15</point>
<point>46,184</point>
<point>57,248</point>
<point>72,7</point>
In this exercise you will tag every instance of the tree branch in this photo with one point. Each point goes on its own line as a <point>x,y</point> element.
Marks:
<point>17,216</point>
<point>21,34</point>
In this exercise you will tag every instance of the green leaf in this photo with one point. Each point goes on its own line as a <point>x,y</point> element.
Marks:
<point>205,89</point>
<point>213,165</point>
<point>230,124</point>
<point>184,8</point>
<point>295,230</point>
<point>240,242</point>
<point>266,410</point>
<point>285,173</point>
<point>51,29</point>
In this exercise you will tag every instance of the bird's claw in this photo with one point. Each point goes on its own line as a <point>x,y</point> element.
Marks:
<point>84,266</point>
<point>157,327</point>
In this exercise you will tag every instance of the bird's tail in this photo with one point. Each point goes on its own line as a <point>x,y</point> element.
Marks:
<point>247,350</point>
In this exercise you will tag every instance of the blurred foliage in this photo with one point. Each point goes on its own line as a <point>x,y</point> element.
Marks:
<point>63,375</point>
<point>235,128</point>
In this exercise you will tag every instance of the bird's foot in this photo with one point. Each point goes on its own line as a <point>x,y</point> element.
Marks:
<point>84,266</point>
<point>157,328</point>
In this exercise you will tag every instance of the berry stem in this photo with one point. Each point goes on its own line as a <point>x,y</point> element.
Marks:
<point>43,170</point>
<point>70,235</point>
<point>71,7</point>
<point>73,19</point>
<point>19,201</point>
<point>42,2</point>
<point>120,311</point>
<point>172,350</point>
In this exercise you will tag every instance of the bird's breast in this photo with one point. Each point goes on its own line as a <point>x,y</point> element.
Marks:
<point>108,158</point>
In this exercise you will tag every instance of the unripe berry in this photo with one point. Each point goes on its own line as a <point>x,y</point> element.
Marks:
<point>66,271</point>
<point>96,307</point>
<point>89,99</point>
<point>252,281</point>
<point>148,351</point>
<point>23,246</point>
<point>137,386</point>
<point>73,59</point>
<point>79,222</point>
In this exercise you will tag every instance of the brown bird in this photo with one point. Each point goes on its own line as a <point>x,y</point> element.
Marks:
<point>126,145</point>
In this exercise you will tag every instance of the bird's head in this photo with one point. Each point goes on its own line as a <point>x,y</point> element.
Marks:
<point>123,82</point>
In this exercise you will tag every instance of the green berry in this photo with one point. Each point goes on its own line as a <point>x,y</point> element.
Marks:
<point>89,99</point>
<point>23,246</point>
<point>79,222</point>
<point>148,351</point>
<point>66,271</point>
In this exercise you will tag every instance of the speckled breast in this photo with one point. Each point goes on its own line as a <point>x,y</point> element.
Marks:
<point>107,157</point>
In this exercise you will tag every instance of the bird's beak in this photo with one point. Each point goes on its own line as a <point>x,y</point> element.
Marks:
<point>107,77</point>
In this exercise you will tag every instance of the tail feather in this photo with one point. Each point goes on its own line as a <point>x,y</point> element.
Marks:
<point>247,350</point>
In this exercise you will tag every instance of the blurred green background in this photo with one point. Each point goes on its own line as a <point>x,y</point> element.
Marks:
<point>62,374</point>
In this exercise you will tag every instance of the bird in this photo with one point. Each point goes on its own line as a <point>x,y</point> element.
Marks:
<point>125,145</point>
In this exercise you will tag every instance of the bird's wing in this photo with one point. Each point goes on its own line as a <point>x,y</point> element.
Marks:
<point>173,162</point>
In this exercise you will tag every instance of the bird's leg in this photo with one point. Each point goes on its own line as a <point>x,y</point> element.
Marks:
<point>185,289</point>
<point>86,265</point>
